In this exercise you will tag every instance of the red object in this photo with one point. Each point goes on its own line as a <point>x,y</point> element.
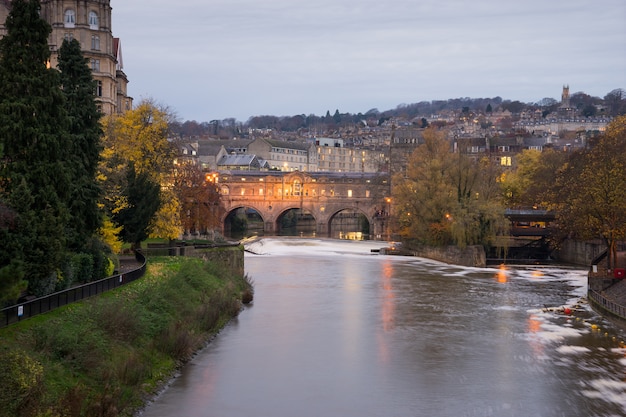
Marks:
<point>567,310</point>
<point>619,273</point>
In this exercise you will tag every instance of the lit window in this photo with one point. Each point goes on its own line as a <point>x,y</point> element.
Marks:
<point>95,43</point>
<point>505,161</point>
<point>70,18</point>
<point>93,20</point>
<point>349,193</point>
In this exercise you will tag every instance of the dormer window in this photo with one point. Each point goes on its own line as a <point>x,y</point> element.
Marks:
<point>70,18</point>
<point>93,20</point>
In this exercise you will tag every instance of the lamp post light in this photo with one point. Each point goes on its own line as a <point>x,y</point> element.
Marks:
<point>388,216</point>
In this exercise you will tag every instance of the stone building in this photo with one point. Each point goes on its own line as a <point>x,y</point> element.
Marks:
<point>285,155</point>
<point>89,22</point>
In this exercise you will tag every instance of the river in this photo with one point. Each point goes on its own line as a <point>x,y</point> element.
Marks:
<point>338,331</point>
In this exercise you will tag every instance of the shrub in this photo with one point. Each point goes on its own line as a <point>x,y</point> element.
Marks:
<point>21,384</point>
<point>82,265</point>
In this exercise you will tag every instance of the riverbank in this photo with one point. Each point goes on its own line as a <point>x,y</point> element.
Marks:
<point>105,356</point>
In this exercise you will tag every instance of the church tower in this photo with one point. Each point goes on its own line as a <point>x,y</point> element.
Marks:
<point>89,22</point>
<point>565,97</point>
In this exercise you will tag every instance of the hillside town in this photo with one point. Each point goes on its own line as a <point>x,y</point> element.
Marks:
<point>382,142</point>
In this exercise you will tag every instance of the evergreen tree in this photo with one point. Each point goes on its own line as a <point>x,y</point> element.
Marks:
<point>33,176</point>
<point>142,202</point>
<point>85,134</point>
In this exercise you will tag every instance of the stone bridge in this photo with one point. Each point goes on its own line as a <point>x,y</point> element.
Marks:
<point>322,195</point>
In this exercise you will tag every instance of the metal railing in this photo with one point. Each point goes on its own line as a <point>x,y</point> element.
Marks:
<point>609,306</point>
<point>22,311</point>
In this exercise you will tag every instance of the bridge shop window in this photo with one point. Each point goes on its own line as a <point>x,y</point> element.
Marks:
<point>297,188</point>
<point>224,190</point>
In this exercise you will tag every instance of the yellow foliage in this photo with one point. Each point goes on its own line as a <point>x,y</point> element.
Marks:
<point>109,235</point>
<point>167,224</point>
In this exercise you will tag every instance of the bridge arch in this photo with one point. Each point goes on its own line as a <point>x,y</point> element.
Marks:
<point>322,196</point>
<point>350,221</point>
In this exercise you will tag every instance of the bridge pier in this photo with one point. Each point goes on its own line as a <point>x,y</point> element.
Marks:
<point>269,227</point>
<point>322,229</point>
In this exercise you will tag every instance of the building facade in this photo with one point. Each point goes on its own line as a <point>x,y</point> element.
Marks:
<point>89,22</point>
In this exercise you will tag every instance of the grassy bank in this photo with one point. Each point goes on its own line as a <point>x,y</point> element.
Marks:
<point>104,356</point>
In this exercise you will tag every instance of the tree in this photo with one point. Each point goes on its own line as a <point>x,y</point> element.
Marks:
<point>198,194</point>
<point>142,196</point>
<point>34,175</point>
<point>532,181</point>
<point>137,138</point>
<point>448,198</point>
<point>424,197</point>
<point>590,196</point>
<point>85,134</point>
<point>140,136</point>
<point>166,223</point>
<point>616,101</point>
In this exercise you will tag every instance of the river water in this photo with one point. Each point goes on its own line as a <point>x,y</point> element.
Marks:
<point>337,331</point>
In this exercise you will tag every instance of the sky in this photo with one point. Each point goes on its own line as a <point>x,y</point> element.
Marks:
<point>216,59</point>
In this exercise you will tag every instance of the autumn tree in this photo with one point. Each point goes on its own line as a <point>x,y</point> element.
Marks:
<point>423,199</point>
<point>448,198</point>
<point>198,194</point>
<point>136,146</point>
<point>531,183</point>
<point>589,195</point>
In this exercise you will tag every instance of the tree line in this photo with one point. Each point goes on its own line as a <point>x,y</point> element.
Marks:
<point>76,185</point>
<point>611,104</point>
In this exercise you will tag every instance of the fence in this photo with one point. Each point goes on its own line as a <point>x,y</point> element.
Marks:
<point>22,311</point>
<point>602,303</point>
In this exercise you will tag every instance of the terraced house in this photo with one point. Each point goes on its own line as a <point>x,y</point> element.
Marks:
<point>89,22</point>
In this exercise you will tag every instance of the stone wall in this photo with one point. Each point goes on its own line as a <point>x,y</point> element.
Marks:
<point>579,253</point>
<point>469,256</point>
<point>229,258</point>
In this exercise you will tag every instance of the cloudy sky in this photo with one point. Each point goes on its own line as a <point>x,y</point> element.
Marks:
<point>217,59</point>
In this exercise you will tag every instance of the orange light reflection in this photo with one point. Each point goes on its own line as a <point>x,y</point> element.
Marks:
<point>502,276</point>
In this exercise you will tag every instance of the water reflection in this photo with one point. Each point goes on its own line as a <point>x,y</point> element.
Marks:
<point>337,331</point>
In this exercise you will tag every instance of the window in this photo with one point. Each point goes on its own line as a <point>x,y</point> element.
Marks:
<point>93,20</point>
<point>70,18</point>
<point>95,65</point>
<point>505,161</point>
<point>98,88</point>
<point>297,188</point>
<point>68,36</point>
<point>95,43</point>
